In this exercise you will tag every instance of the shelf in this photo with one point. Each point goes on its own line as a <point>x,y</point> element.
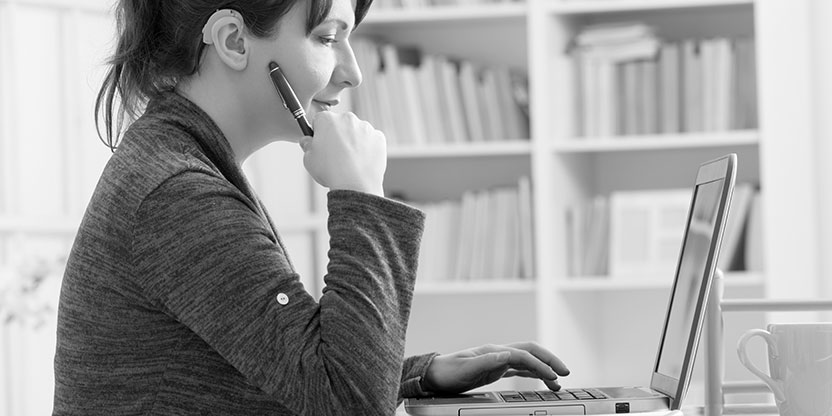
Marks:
<point>614,6</point>
<point>446,14</point>
<point>502,148</point>
<point>474,287</point>
<point>605,283</point>
<point>657,142</point>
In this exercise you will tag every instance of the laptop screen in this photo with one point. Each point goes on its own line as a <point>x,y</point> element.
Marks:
<point>691,276</point>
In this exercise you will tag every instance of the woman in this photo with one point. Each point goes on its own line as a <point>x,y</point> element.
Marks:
<point>179,297</point>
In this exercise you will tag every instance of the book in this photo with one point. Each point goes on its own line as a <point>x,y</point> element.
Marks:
<point>754,256</point>
<point>483,224</point>
<point>470,102</point>
<point>607,90</point>
<point>575,229</point>
<point>646,229</point>
<point>708,85</point>
<point>724,83</point>
<point>453,221</point>
<point>745,73</point>
<point>495,128</point>
<point>594,259</point>
<point>413,98</point>
<point>630,90</point>
<point>465,242</point>
<point>691,86</point>
<point>670,93</point>
<point>394,90</point>
<point>643,48</point>
<point>612,33</point>
<point>524,199</point>
<point>431,104</point>
<point>508,106</point>
<point>648,119</point>
<point>590,96</point>
<point>449,82</point>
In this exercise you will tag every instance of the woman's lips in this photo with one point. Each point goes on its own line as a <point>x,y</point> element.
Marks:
<point>326,105</point>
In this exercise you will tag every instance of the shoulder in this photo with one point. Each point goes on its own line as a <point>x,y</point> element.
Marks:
<point>150,155</point>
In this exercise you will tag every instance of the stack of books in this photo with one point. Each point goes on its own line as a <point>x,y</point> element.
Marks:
<point>484,237</point>
<point>638,234</point>
<point>632,83</point>
<point>420,99</point>
<point>588,230</point>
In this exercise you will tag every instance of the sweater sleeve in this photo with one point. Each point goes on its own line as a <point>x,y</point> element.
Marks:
<point>202,251</point>
<point>413,372</point>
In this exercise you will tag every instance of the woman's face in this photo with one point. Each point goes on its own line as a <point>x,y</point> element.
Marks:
<point>318,67</point>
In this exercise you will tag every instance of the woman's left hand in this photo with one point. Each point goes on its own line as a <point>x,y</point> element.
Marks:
<point>468,369</point>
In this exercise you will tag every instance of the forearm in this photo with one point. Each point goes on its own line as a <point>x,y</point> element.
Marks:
<point>365,305</point>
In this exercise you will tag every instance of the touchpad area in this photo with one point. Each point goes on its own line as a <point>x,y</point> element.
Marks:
<point>468,398</point>
<point>626,392</point>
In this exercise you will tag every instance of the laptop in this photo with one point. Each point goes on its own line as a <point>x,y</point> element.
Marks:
<point>673,366</point>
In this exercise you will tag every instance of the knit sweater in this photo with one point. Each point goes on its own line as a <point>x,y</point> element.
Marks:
<point>179,296</point>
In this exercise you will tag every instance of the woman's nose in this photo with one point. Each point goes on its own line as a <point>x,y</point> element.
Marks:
<point>347,73</point>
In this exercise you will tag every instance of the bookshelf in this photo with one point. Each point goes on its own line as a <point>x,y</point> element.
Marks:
<point>604,328</point>
<point>508,147</point>
<point>609,322</point>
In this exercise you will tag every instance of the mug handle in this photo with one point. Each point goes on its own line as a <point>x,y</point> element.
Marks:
<point>743,354</point>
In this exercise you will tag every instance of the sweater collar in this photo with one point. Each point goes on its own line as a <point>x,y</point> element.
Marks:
<point>191,119</point>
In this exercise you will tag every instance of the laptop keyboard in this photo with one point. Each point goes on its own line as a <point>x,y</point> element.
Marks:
<point>552,396</point>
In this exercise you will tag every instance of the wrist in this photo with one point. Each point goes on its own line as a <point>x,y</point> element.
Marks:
<point>425,385</point>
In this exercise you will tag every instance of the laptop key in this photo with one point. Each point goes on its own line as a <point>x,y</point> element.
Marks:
<point>597,394</point>
<point>512,396</point>
<point>548,395</point>
<point>531,396</point>
<point>565,396</point>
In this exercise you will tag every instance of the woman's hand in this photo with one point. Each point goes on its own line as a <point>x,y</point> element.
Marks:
<point>476,367</point>
<point>346,153</point>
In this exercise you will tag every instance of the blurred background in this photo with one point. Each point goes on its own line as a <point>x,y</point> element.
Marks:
<point>553,144</point>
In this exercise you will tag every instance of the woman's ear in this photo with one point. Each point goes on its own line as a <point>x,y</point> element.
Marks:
<point>227,34</point>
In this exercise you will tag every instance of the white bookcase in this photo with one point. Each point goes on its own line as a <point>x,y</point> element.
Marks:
<point>606,328</point>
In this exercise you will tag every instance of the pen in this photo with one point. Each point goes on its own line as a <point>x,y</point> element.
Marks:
<point>290,100</point>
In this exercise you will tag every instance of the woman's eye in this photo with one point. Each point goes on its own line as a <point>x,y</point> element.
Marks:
<point>328,40</point>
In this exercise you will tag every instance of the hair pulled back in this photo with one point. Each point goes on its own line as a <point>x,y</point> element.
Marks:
<point>160,41</point>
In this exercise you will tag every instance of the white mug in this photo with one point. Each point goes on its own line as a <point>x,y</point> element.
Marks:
<point>800,361</point>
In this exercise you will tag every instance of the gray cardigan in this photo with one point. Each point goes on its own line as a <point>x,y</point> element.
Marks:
<point>179,298</point>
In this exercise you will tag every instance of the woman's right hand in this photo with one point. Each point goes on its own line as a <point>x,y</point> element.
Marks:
<point>345,153</point>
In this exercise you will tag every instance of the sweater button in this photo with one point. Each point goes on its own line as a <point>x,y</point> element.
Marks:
<point>282,298</point>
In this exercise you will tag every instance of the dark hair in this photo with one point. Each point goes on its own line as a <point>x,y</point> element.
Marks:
<point>160,41</point>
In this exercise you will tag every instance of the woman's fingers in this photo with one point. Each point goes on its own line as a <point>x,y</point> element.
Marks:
<point>551,384</point>
<point>528,359</point>
<point>544,355</point>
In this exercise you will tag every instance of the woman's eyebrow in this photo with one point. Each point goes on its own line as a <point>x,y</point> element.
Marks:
<point>341,23</point>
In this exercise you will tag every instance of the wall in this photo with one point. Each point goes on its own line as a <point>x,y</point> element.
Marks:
<point>823,127</point>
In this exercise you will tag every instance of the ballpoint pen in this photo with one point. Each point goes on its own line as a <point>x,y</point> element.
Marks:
<point>290,100</point>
